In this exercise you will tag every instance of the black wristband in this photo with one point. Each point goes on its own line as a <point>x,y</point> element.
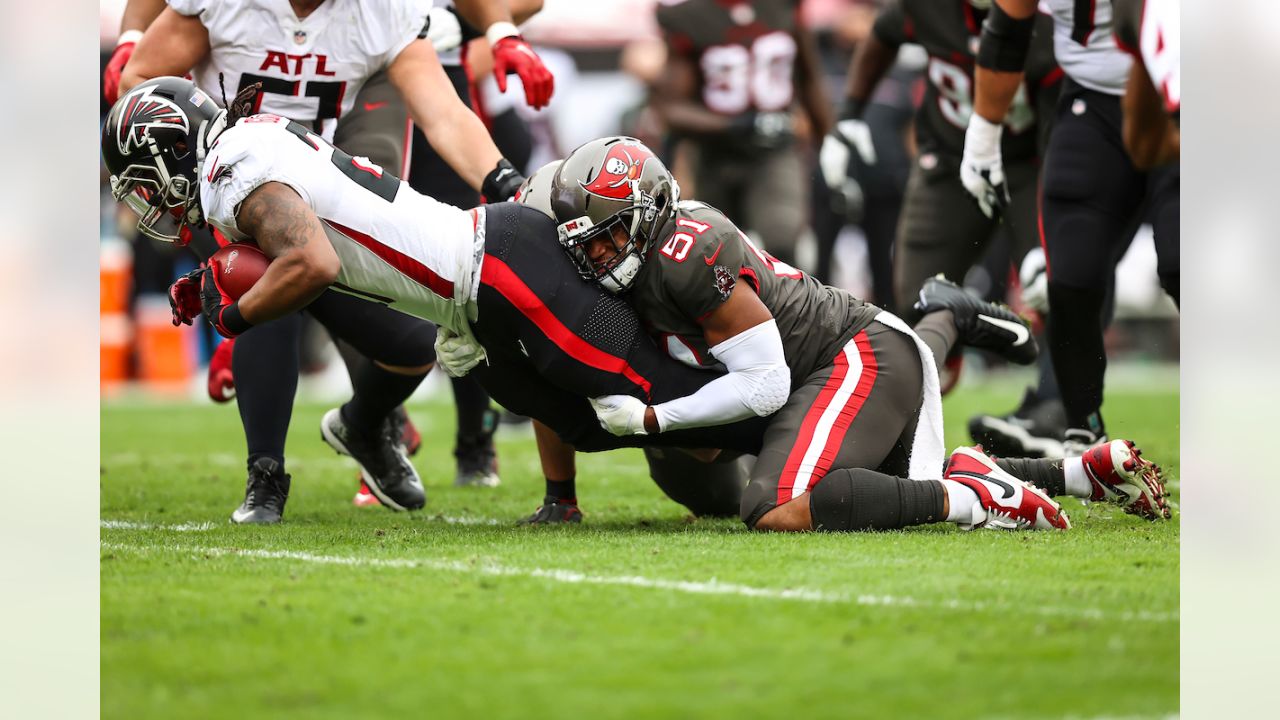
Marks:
<point>232,320</point>
<point>501,182</point>
<point>1005,41</point>
<point>852,109</point>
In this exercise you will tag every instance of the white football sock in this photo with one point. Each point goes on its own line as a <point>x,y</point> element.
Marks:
<point>960,501</point>
<point>1078,484</point>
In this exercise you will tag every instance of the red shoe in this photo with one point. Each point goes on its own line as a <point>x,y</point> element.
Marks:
<point>949,373</point>
<point>222,384</point>
<point>1008,502</point>
<point>363,497</point>
<point>1119,474</point>
<point>409,435</point>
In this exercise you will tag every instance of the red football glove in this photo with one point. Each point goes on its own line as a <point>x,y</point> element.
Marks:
<point>111,76</point>
<point>220,310</point>
<point>184,298</point>
<point>512,54</point>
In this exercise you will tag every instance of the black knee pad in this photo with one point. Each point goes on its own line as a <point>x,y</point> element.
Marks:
<point>860,499</point>
<point>706,489</point>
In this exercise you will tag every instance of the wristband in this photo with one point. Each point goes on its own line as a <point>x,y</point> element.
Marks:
<point>1005,41</point>
<point>231,319</point>
<point>129,36</point>
<point>500,30</point>
<point>501,182</point>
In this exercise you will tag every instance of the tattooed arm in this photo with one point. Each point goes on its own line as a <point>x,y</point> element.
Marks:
<point>303,264</point>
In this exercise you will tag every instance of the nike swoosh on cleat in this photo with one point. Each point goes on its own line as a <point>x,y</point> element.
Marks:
<point>711,260</point>
<point>1018,329</point>
<point>1008,489</point>
<point>375,105</point>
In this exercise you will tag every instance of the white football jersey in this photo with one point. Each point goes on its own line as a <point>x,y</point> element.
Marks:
<point>1085,46</point>
<point>397,247</point>
<point>311,69</point>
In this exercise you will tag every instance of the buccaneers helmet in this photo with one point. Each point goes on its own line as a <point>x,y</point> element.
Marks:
<point>152,143</point>
<point>613,182</point>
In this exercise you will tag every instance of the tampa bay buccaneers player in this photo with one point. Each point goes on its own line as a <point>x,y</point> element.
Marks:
<point>736,71</point>
<point>850,392</point>
<point>1093,196</point>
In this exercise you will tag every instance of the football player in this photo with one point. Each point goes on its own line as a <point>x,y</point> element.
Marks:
<point>1092,194</point>
<point>850,392</point>
<point>333,49</point>
<point>736,71</point>
<point>941,230</point>
<point>1149,31</point>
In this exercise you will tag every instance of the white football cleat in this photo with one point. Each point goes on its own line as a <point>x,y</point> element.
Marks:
<point>1007,502</point>
<point>1119,474</point>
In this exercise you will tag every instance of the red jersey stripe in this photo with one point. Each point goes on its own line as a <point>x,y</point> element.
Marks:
<point>403,264</point>
<point>499,276</point>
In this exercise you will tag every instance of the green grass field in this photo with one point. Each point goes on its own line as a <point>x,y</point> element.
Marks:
<point>638,613</point>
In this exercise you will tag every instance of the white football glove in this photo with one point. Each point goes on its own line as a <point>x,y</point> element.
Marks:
<point>981,168</point>
<point>457,354</point>
<point>620,414</point>
<point>442,29</point>
<point>1034,277</point>
<point>833,159</point>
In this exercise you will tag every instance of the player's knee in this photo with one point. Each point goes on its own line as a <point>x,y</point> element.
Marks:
<point>759,509</point>
<point>790,516</point>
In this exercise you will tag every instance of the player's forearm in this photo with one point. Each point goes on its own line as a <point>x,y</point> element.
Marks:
<point>304,263</point>
<point>994,93</point>
<point>1150,135</point>
<point>1002,55</point>
<point>172,45</point>
<point>813,94</point>
<point>462,140</point>
<point>870,62</point>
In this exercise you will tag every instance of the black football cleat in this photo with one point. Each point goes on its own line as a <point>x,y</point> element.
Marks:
<point>1034,430</point>
<point>406,430</point>
<point>384,465</point>
<point>981,324</point>
<point>554,511</point>
<point>476,456</point>
<point>265,494</point>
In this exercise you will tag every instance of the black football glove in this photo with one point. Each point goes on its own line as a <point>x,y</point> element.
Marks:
<point>502,182</point>
<point>220,310</point>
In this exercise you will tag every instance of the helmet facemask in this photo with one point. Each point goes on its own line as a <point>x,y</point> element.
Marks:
<point>638,223</point>
<point>164,203</point>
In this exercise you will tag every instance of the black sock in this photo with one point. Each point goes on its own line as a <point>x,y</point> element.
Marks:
<point>1079,358</point>
<point>377,392</point>
<point>938,331</point>
<point>265,364</point>
<point>1046,377</point>
<point>561,491</point>
<point>471,402</point>
<point>861,499</point>
<point>1044,474</point>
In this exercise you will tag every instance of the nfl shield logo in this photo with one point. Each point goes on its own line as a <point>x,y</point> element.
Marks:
<point>299,36</point>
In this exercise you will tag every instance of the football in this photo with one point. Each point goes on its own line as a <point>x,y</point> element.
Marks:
<point>238,265</point>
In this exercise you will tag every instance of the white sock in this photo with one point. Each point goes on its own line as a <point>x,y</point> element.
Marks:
<point>960,501</point>
<point>1078,484</point>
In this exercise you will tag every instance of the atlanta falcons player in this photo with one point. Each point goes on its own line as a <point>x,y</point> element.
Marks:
<point>1092,194</point>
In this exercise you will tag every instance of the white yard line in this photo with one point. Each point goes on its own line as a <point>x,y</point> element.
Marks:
<point>710,587</point>
<point>130,525</point>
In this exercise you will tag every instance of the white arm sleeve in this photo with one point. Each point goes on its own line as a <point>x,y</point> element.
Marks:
<point>758,383</point>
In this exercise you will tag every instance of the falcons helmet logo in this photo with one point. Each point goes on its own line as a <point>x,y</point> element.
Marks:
<point>143,111</point>
<point>620,172</point>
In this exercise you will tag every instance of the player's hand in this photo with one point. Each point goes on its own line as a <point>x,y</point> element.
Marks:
<point>849,140</point>
<point>115,66</point>
<point>184,298</point>
<point>457,354</point>
<point>621,415</point>
<point>511,54</point>
<point>1034,277</point>
<point>218,307</point>
<point>443,30</point>
<point>982,169</point>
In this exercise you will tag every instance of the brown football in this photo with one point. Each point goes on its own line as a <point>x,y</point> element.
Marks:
<point>238,267</point>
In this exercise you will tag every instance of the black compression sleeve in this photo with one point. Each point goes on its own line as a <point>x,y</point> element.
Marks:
<point>1005,41</point>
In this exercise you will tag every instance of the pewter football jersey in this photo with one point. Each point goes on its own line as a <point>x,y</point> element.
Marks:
<point>397,247</point>
<point>311,69</point>
<point>693,266</point>
<point>1084,43</point>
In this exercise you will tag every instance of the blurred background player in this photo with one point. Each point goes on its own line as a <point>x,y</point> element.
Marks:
<point>1092,194</point>
<point>736,72</point>
<point>1151,32</point>
<point>311,66</point>
<point>941,230</point>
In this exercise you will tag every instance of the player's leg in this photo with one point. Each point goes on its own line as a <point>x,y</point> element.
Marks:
<point>1113,471</point>
<point>707,489</point>
<point>1164,190</point>
<point>941,231</point>
<point>1091,193</point>
<point>399,351</point>
<point>776,202</point>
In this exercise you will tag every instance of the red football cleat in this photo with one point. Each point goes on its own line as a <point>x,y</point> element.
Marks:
<point>1008,502</point>
<point>222,384</point>
<point>1119,474</point>
<point>363,497</point>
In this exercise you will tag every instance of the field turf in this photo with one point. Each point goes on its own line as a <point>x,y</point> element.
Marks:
<point>639,612</point>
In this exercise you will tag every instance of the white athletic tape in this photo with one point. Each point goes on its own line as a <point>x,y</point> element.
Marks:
<point>712,587</point>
